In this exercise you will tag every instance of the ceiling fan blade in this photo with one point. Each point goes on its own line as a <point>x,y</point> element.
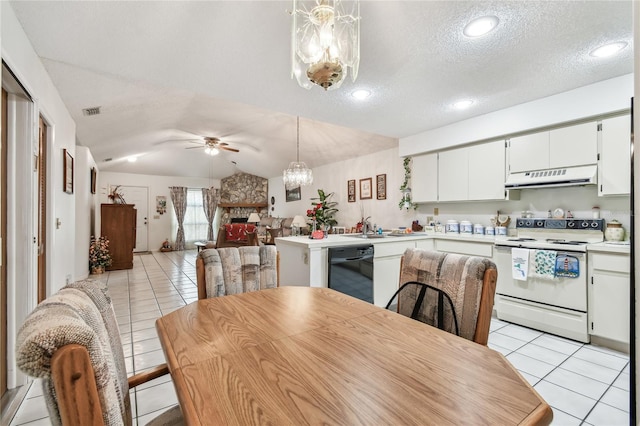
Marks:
<point>228,149</point>
<point>222,144</point>
<point>195,147</point>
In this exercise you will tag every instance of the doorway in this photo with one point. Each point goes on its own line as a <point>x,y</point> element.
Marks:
<point>139,197</point>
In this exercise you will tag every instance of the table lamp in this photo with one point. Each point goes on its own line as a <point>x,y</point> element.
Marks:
<point>298,223</point>
<point>254,218</point>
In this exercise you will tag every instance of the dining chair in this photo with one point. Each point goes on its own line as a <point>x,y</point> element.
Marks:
<point>233,270</point>
<point>72,341</point>
<point>272,234</point>
<point>426,303</point>
<point>469,281</point>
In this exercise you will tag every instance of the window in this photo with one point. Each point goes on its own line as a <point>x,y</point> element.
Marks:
<point>195,221</point>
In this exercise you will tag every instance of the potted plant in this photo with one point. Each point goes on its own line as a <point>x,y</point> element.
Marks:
<point>99,256</point>
<point>323,211</point>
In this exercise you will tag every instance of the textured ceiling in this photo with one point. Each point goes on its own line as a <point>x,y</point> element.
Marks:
<point>164,72</point>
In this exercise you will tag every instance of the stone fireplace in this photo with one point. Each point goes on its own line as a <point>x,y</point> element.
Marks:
<point>242,194</point>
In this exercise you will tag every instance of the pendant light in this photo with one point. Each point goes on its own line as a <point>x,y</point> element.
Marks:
<point>298,174</point>
<point>325,42</point>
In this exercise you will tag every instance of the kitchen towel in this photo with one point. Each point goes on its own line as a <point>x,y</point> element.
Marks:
<point>567,266</point>
<point>520,263</point>
<point>544,264</point>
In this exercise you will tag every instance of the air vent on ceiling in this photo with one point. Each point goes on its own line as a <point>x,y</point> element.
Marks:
<point>91,111</point>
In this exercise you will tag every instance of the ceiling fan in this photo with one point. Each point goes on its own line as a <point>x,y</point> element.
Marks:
<point>212,146</point>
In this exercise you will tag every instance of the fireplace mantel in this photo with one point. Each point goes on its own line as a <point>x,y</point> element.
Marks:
<point>229,206</point>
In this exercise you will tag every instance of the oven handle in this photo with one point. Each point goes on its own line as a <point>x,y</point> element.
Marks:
<point>580,255</point>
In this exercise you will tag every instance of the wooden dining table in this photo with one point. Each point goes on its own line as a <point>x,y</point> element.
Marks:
<point>304,355</point>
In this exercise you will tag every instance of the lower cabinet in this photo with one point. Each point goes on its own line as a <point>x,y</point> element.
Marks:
<point>608,297</point>
<point>386,269</point>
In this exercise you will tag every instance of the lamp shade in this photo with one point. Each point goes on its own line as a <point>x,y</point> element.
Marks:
<point>254,218</point>
<point>299,221</point>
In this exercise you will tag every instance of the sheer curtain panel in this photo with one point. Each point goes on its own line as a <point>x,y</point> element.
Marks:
<point>179,200</point>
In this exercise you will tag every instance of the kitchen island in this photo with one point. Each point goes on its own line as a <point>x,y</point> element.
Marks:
<point>304,262</point>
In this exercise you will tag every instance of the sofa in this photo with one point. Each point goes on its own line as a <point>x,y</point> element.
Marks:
<point>276,223</point>
<point>237,235</point>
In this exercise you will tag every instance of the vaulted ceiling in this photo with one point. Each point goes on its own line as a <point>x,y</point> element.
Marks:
<point>164,73</point>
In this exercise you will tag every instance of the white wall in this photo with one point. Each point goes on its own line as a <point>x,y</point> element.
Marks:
<point>333,178</point>
<point>20,57</point>
<point>596,99</point>
<point>159,225</point>
<point>85,209</point>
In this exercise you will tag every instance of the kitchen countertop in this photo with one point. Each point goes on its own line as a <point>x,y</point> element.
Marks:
<point>609,247</point>
<point>348,240</point>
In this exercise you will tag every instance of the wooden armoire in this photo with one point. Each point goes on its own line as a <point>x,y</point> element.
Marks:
<point>118,225</point>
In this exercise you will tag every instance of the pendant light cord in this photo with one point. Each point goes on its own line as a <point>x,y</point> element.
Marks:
<point>298,139</point>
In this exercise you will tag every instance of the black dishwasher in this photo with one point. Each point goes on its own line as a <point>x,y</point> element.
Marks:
<point>351,271</point>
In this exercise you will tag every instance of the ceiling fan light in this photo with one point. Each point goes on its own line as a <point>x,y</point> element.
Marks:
<point>207,150</point>
<point>214,151</point>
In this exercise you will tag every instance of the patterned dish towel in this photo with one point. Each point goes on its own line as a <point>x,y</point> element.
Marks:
<point>544,264</point>
<point>567,266</point>
<point>519,263</point>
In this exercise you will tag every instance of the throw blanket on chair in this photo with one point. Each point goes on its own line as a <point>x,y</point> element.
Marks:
<point>461,277</point>
<point>234,270</point>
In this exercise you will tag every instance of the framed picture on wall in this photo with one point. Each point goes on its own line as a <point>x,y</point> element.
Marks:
<point>365,189</point>
<point>351,191</point>
<point>381,187</point>
<point>293,194</point>
<point>94,178</point>
<point>67,174</point>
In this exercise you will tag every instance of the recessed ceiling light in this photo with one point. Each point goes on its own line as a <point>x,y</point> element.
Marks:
<point>361,94</point>
<point>132,159</point>
<point>463,104</point>
<point>608,49</point>
<point>480,26</point>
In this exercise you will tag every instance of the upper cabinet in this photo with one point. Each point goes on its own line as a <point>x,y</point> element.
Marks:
<point>564,147</point>
<point>529,152</point>
<point>470,173</point>
<point>424,178</point>
<point>614,151</point>
<point>487,171</point>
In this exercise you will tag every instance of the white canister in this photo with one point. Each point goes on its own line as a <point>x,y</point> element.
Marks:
<point>466,227</point>
<point>453,226</point>
<point>501,230</point>
<point>478,229</point>
<point>490,230</point>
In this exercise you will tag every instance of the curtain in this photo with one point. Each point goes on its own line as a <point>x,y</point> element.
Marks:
<point>210,199</point>
<point>179,200</point>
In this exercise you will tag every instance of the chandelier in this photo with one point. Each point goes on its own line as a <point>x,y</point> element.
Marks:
<point>325,42</point>
<point>298,174</point>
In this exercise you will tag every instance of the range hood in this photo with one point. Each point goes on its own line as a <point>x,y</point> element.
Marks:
<point>549,178</point>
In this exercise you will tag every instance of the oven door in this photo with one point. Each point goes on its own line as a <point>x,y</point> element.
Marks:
<point>568,293</point>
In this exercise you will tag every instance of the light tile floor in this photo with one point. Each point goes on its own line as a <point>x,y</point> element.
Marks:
<point>585,384</point>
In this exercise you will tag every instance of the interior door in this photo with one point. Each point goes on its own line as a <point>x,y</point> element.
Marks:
<point>42,211</point>
<point>139,197</point>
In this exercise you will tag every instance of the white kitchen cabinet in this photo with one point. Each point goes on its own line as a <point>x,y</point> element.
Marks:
<point>469,248</point>
<point>424,178</point>
<point>386,269</point>
<point>453,175</point>
<point>608,296</point>
<point>573,145</point>
<point>529,152</point>
<point>486,171</point>
<point>563,147</point>
<point>614,150</point>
